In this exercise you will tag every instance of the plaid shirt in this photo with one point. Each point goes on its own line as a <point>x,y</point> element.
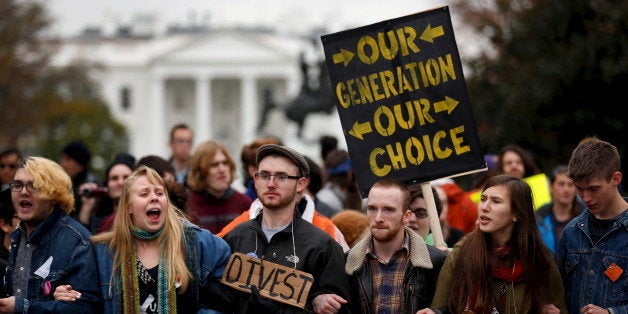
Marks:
<point>388,278</point>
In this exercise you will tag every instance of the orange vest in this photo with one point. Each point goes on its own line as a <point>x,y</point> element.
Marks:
<point>318,220</point>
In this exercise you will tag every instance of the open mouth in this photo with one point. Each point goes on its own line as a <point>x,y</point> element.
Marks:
<point>26,205</point>
<point>484,220</point>
<point>153,214</point>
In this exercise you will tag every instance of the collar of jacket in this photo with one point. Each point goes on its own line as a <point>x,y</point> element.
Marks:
<point>582,220</point>
<point>419,255</point>
<point>46,226</point>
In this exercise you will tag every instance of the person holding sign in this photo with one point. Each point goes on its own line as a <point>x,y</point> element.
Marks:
<point>281,236</point>
<point>593,249</point>
<point>393,258</point>
<point>154,260</point>
<point>503,266</point>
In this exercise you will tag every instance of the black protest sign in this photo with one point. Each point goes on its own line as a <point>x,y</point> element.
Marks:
<point>402,100</point>
<point>274,281</point>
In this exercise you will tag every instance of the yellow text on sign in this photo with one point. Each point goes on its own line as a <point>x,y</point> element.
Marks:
<point>402,79</point>
<point>387,44</point>
<point>415,151</point>
<point>412,113</point>
<point>274,281</point>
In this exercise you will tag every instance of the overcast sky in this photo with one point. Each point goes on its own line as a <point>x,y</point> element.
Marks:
<point>72,16</point>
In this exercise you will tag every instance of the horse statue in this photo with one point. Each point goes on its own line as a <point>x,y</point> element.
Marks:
<point>311,99</point>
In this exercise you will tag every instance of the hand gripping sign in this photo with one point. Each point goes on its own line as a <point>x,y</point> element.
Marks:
<point>274,281</point>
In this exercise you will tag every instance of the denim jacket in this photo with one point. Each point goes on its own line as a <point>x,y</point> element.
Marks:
<point>206,258</point>
<point>584,263</point>
<point>65,242</point>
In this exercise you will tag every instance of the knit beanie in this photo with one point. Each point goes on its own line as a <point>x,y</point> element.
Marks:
<point>121,158</point>
<point>78,151</point>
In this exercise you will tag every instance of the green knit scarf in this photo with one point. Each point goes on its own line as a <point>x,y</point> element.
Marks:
<point>166,296</point>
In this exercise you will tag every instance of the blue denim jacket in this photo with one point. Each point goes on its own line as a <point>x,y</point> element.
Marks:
<point>584,264</point>
<point>208,255</point>
<point>73,262</point>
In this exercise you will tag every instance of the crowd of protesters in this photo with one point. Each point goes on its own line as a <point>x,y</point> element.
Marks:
<point>157,235</point>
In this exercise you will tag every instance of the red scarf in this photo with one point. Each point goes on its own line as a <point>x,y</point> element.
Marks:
<point>506,273</point>
<point>502,272</point>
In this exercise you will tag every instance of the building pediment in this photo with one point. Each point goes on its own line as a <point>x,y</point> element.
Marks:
<point>228,47</point>
<point>215,47</point>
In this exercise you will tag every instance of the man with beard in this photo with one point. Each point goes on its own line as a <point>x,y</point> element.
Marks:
<point>394,258</point>
<point>279,236</point>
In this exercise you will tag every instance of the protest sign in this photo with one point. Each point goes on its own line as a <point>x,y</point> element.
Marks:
<point>402,100</point>
<point>274,281</point>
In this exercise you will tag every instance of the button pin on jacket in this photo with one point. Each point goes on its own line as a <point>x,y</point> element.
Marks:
<point>613,272</point>
<point>46,288</point>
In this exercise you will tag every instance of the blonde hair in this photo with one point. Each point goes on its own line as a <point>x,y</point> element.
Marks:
<point>52,181</point>
<point>120,238</point>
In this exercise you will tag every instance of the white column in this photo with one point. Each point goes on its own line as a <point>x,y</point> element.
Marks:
<point>155,138</point>
<point>202,110</point>
<point>249,113</point>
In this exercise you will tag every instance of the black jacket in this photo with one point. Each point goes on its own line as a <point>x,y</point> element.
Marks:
<point>318,254</point>
<point>419,280</point>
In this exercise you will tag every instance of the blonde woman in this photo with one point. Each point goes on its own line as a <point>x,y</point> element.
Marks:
<point>154,260</point>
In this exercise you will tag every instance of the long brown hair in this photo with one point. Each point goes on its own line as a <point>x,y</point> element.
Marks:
<point>120,238</point>
<point>472,277</point>
<point>201,163</point>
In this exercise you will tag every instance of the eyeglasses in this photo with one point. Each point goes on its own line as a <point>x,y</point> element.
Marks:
<point>279,177</point>
<point>17,186</point>
<point>10,166</point>
<point>419,212</point>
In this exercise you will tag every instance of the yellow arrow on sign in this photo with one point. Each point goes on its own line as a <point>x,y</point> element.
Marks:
<point>449,104</point>
<point>343,56</point>
<point>430,33</point>
<point>359,129</point>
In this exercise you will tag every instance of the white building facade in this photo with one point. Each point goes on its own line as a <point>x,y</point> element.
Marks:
<point>214,81</point>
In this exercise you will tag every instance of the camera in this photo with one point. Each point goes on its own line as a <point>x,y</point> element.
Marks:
<point>96,192</point>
